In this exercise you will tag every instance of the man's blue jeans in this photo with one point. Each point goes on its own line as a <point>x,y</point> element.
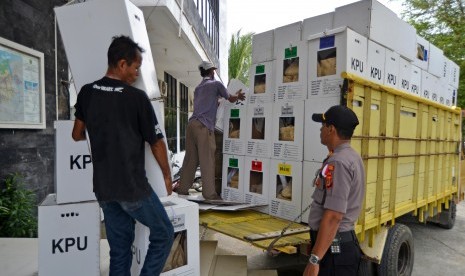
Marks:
<point>119,219</point>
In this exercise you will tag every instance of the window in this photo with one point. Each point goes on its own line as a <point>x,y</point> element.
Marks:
<point>176,114</point>
<point>184,114</point>
<point>170,111</point>
<point>209,13</point>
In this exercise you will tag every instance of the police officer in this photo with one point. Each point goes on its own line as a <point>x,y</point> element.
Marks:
<point>337,199</point>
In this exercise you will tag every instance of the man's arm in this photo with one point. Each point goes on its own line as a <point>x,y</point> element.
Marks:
<point>328,228</point>
<point>161,155</point>
<point>79,130</point>
<point>239,96</point>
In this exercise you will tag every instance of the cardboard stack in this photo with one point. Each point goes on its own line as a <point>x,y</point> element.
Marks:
<point>307,62</point>
<point>275,121</point>
<point>69,221</point>
<point>257,158</point>
<point>234,144</point>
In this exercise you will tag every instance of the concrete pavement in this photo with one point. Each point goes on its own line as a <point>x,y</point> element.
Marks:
<point>439,251</point>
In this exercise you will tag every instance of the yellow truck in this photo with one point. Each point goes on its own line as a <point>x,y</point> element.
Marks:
<point>411,151</point>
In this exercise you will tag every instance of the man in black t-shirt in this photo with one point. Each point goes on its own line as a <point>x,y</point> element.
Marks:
<point>120,120</point>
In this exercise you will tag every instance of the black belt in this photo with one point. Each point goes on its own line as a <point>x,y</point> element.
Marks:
<point>347,236</point>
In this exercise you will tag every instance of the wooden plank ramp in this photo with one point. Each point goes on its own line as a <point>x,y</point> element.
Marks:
<point>245,223</point>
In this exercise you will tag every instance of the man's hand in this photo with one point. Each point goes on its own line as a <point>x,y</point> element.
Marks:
<point>160,153</point>
<point>311,270</point>
<point>79,130</point>
<point>169,185</point>
<point>240,95</point>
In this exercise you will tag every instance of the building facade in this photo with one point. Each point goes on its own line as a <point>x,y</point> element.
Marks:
<point>182,33</point>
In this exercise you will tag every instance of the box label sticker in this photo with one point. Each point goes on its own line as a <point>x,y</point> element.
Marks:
<point>285,169</point>
<point>290,52</point>
<point>233,162</point>
<point>259,111</point>
<point>260,69</point>
<point>287,110</point>
<point>257,166</point>
<point>234,113</point>
<point>327,42</point>
<point>178,222</point>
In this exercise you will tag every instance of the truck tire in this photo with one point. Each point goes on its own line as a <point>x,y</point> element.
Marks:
<point>398,252</point>
<point>447,217</point>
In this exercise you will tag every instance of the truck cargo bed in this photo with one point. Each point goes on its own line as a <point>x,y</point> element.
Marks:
<point>411,151</point>
<point>242,224</point>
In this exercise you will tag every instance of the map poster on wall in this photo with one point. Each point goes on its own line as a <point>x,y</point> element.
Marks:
<point>22,92</point>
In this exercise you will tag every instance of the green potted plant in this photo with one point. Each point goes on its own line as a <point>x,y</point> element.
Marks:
<point>17,205</point>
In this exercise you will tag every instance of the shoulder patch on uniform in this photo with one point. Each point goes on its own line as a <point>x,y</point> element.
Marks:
<point>327,173</point>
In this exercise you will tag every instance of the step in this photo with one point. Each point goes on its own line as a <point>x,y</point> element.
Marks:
<point>262,273</point>
<point>207,253</point>
<point>228,265</point>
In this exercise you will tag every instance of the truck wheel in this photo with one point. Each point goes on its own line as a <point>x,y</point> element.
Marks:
<point>447,217</point>
<point>398,252</point>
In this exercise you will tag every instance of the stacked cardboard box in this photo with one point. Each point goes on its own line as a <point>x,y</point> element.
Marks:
<point>69,238</point>
<point>352,39</point>
<point>235,144</point>
<point>184,256</point>
<point>256,181</point>
<point>69,222</point>
<point>275,114</point>
<point>369,17</point>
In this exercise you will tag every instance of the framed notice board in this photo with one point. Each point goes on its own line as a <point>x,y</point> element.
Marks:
<point>22,86</point>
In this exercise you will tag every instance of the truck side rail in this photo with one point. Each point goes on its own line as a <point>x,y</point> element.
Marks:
<point>411,151</point>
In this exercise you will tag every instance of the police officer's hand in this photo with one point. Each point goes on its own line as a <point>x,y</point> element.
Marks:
<point>311,270</point>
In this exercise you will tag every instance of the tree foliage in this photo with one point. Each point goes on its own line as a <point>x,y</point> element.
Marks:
<point>442,22</point>
<point>240,56</point>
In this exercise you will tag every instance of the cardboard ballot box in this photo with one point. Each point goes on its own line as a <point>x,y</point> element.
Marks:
<point>285,190</point>
<point>257,181</point>
<point>69,238</point>
<point>291,71</point>
<point>258,132</point>
<point>262,83</point>
<point>184,256</point>
<point>234,141</point>
<point>329,54</point>
<point>232,188</point>
<point>288,130</point>
<point>262,46</point>
<point>73,166</point>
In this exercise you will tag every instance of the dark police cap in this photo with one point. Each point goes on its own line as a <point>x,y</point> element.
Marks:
<point>339,116</point>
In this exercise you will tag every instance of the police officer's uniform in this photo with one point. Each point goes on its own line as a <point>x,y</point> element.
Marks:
<point>339,186</point>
